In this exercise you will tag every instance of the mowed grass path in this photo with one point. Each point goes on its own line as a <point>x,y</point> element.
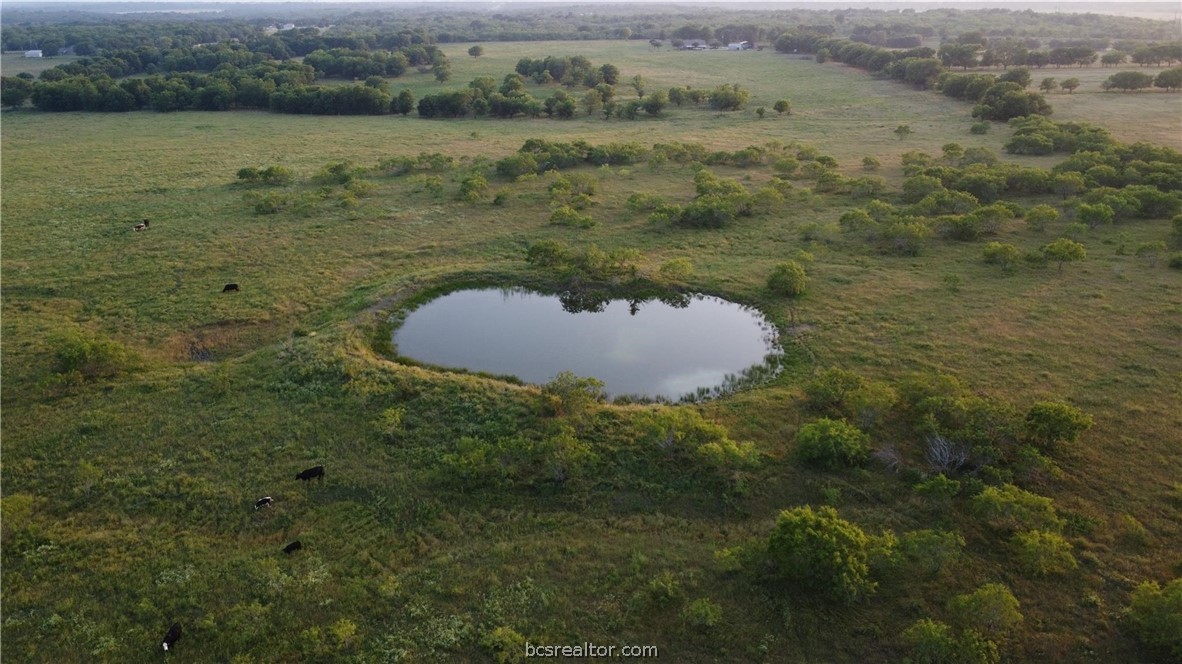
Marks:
<point>182,448</point>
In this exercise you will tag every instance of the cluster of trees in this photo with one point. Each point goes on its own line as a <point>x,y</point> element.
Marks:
<point>1000,100</point>
<point>360,64</point>
<point>1170,79</point>
<point>572,71</point>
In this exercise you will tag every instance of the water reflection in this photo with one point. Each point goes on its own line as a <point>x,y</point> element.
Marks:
<point>672,347</point>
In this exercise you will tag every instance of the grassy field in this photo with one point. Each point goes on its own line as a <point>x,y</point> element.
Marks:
<point>127,502</point>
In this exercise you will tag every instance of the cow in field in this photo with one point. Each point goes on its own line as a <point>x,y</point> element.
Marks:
<point>230,288</point>
<point>262,502</point>
<point>315,472</point>
<point>294,546</point>
<point>172,636</point>
<point>142,226</point>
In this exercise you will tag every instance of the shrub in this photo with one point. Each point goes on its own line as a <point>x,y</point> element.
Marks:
<point>1010,508</point>
<point>474,188</point>
<point>506,644</point>
<point>676,270</point>
<point>1039,216</point>
<point>565,215</point>
<point>1050,423</point>
<point>788,279</point>
<point>820,551</point>
<point>1155,617</point>
<point>997,253</point>
<point>991,609</point>
<point>831,444</point>
<point>548,253</point>
<point>938,487</point>
<point>1176,260</point>
<point>88,356</point>
<point>1042,553</point>
<point>932,642</point>
<point>702,614</point>
<point>830,389</point>
<point>249,174</point>
<point>871,164</point>
<point>979,128</point>
<point>568,394</point>
<point>930,551</point>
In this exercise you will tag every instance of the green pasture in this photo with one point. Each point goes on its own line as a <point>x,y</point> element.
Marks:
<point>128,501</point>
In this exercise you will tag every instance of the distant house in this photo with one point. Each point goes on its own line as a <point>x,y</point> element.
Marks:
<point>33,54</point>
<point>694,45</point>
<point>739,46</point>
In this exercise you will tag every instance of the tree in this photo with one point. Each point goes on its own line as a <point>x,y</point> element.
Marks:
<point>1049,423</point>
<point>1019,75</point>
<point>1048,84</point>
<point>903,131</point>
<point>1128,80</point>
<point>1155,616</point>
<point>782,106</point>
<point>638,84</point>
<point>1064,250</point>
<point>832,444</point>
<point>610,74</point>
<point>1170,79</point>
<point>1069,84</point>
<point>404,103</point>
<point>14,91</point>
<point>820,551</point>
<point>760,111</point>
<point>476,51</point>
<point>788,279</point>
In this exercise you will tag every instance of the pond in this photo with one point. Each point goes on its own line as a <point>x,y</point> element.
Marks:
<point>675,347</point>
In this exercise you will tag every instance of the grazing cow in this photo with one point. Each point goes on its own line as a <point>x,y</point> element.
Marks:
<point>172,636</point>
<point>142,226</point>
<point>262,502</point>
<point>230,288</point>
<point>315,472</point>
<point>294,546</point>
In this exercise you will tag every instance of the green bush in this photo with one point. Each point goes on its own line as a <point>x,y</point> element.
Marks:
<point>932,642</point>
<point>1010,508</point>
<point>930,551</point>
<point>991,609</point>
<point>821,552</point>
<point>86,356</point>
<point>979,128</point>
<point>1176,260</point>
<point>1050,423</point>
<point>506,645</point>
<point>568,394</point>
<point>565,215</point>
<point>702,614</point>
<point>832,444</point>
<point>1042,553</point>
<point>1155,617</point>
<point>788,279</point>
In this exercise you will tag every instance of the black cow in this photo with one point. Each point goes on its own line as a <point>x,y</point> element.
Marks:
<point>262,502</point>
<point>316,472</point>
<point>294,546</point>
<point>230,288</point>
<point>172,636</point>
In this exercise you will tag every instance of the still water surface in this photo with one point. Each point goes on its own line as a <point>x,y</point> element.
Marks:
<point>649,348</point>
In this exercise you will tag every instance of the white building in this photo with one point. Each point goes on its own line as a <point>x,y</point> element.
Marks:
<point>33,54</point>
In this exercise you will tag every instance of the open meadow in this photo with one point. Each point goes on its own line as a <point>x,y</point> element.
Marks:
<point>128,499</point>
